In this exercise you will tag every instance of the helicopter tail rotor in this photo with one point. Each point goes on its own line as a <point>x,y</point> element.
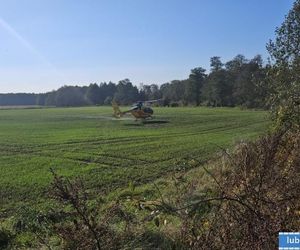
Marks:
<point>117,111</point>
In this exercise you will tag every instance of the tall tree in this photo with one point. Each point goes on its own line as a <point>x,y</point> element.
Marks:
<point>246,76</point>
<point>193,86</point>
<point>107,92</point>
<point>93,94</point>
<point>70,96</point>
<point>236,63</point>
<point>217,90</point>
<point>215,63</point>
<point>155,93</point>
<point>284,77</point>
<point>126,93</point>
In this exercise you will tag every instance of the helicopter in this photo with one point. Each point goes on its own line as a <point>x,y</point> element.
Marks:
<point>140,110</point>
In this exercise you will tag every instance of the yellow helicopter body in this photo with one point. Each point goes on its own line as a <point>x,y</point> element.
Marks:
<point>138,111</point>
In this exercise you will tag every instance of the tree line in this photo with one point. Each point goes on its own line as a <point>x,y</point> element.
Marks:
<point>238,82</point>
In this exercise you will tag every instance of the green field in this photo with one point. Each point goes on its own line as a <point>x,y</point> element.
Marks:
<point>109,153</point>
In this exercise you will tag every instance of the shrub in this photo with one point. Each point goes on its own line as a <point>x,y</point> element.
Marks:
<point>255,194</point>
<point>258,196</point>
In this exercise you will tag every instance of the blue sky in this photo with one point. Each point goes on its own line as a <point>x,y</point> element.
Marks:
<point>45,44</point>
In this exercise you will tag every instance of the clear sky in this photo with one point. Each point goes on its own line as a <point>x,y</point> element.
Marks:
<point>45,44</point>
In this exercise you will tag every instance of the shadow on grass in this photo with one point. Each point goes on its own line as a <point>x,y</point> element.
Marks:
<point>146,122</point>
<point>155,122</point>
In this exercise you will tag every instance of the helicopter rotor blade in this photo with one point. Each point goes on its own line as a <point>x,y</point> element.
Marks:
<point>153,101</point>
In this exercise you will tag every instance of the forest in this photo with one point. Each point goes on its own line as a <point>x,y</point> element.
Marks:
<point>238,82</point>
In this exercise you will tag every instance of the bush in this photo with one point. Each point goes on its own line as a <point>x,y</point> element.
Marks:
<point>254,194</point>
<point>258,196</point>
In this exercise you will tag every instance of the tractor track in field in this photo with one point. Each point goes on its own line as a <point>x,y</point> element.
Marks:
<point>104,141</point>
<point>107,155</point>
<point>8,149</point>
<point>107,159</point>
<point>102,158</point>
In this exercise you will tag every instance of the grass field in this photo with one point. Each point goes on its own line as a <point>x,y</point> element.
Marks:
<point>106,152</point>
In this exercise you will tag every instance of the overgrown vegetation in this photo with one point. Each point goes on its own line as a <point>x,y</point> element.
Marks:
<point>283,75</point>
